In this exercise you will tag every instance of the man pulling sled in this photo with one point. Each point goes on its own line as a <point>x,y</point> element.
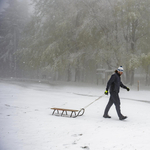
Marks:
<point>113,85</point>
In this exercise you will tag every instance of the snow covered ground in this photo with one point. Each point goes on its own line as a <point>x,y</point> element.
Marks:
<point>27,123</point>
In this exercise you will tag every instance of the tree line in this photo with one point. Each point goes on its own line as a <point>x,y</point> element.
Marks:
<point>71,39</point>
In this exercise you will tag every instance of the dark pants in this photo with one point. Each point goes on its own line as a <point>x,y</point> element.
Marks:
<point>114,99</point>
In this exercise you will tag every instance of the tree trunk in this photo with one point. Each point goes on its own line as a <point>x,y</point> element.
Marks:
<point>127,76</point>
<point>132,77</point>
<point>68,73</point>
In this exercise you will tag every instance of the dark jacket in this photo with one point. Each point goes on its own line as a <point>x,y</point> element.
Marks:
<point>115,83</point>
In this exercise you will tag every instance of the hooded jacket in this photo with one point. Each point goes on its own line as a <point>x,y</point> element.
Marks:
<point>114,83</point>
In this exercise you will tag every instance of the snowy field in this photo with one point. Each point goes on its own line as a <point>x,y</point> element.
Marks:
<point>27,123</point>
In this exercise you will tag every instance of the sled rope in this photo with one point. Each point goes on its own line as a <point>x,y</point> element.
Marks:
<point>82,110</point>
<point>94,101</point>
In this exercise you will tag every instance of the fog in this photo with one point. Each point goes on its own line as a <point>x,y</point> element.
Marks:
<point>79,41</point>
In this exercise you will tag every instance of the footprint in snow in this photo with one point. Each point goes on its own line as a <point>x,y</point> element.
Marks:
<point>85,147</point>
<point>75,135</point>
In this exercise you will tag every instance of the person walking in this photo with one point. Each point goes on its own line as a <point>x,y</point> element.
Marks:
<point>113,85</point>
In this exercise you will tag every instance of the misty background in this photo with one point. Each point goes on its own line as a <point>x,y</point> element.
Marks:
<point>75,40</point>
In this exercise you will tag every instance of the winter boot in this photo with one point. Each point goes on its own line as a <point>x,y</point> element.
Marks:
<point>123,118</point>
<point>106,116</point>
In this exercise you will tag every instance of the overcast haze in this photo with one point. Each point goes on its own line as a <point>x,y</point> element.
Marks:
<point>61,53</point>
<point>83,42</point>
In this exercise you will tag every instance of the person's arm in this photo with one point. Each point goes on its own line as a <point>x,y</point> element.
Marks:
<point>123,86</point>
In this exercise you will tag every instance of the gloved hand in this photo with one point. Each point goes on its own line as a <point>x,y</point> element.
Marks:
<point>128,89</point>
<point>106,92</point>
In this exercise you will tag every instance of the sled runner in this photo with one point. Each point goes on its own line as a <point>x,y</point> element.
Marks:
<point>75,112</point>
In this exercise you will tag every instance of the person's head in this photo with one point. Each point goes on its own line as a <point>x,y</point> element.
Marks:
<point>120,70</point>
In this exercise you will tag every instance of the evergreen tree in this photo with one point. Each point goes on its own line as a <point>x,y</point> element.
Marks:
<point>13,19</point>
